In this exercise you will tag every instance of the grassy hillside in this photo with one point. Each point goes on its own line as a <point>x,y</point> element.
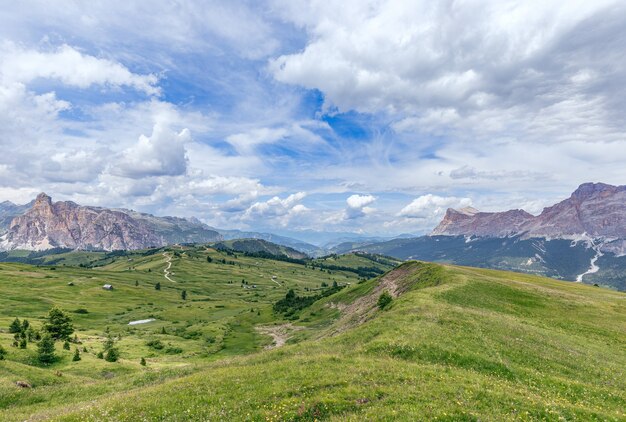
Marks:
<point>455,344</point>
<point>226,298</point>
<point>259,246</point>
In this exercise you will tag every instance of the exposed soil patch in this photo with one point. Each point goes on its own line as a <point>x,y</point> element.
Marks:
<point>279,333</point>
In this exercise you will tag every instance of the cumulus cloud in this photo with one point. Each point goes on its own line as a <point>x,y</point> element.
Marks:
<point>432,206</point>
<point>357,206</point>
<point>276,210</point>
<point>70,67</point>
<point>161,154</point>
<point>528,70</point>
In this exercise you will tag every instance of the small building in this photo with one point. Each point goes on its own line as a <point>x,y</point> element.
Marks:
<point>107,287</point>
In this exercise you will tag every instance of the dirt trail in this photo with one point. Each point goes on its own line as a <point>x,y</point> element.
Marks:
<point>279,333</point>
<point>166,271</point>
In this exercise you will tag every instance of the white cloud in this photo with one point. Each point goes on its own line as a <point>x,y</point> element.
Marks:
<point>432,206</point>
<point>161,154</point>
<point>357,206</point>
<point>276,211</point>
<point>70,67</point>
<point>470,70</point>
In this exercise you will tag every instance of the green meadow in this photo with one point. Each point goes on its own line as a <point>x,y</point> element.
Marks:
<point>456,343</point>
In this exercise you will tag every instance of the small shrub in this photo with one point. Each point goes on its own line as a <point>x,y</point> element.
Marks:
<point>3,352</point>
<point>80,311</point>
<point>142,362</point>
<point>155,344</point>
<point>100,355</point>
<point>76,356</point>
<point>66,345</point>
<point>384,300</point>
<point>173,350</point>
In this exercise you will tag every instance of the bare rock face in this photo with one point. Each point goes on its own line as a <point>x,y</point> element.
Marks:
<point>593,210</point>
<point>68,225</point>
<point>482,224</point>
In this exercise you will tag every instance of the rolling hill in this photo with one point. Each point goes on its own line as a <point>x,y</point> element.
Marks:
<point>456,343</point>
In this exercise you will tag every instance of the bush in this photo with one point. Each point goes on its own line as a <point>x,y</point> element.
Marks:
<point>173,350</point>
<point>384,300</point>
<point>80,311</point>
<point>3,352</point>
<point>155,344</point>
<point>100,355</point>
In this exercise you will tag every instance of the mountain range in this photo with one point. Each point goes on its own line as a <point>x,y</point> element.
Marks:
<point>582,238</point>
<point>64,224</point>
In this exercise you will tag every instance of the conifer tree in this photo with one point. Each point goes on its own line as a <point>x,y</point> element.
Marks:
<point>15,326</point>
<point>45,349</point>
<point>59,324</point>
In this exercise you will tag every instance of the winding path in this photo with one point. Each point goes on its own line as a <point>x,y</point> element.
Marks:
<point>166,271</point>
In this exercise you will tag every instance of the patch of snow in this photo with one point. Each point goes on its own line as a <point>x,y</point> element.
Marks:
<point>593,268</point>
<point>141,321</point>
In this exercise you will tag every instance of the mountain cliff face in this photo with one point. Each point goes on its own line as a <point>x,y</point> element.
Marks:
<point>482,224</point>
<point>66,224</point>
<point>593,210</point>
<point>8,211</point>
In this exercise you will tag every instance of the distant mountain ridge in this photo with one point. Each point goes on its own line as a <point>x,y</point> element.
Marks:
<point>582,238</point>
<point>65,224</point>
<point>594,210</point>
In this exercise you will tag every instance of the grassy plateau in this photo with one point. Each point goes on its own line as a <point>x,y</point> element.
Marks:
<point>455,343</point>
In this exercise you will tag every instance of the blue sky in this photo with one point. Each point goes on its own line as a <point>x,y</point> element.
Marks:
<point>352,116</point>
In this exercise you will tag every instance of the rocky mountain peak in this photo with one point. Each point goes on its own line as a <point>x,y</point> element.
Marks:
<point>66,224</point>
<point>43,200</point>
<point>593,209</point>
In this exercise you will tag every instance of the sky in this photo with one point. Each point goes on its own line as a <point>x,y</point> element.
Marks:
<point>359,116</point>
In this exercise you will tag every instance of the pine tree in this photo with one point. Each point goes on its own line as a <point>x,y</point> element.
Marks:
<point>23,343</point>
<point>66,345</point>
<point>142,362</point>
<point>183,294</point>
<point>3,352</point>
<point>76,357</point>
<point>100,355</point>
<point>157,286</point>
<point>45,349</point>
<point>15,326</point>
<point>136,283</point>
<point>59,324</point>
<point>112,355</point>
<point>25,325</point>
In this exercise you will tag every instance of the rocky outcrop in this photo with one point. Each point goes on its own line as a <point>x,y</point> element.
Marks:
<point>69,225</point>
<point>594,210</point>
